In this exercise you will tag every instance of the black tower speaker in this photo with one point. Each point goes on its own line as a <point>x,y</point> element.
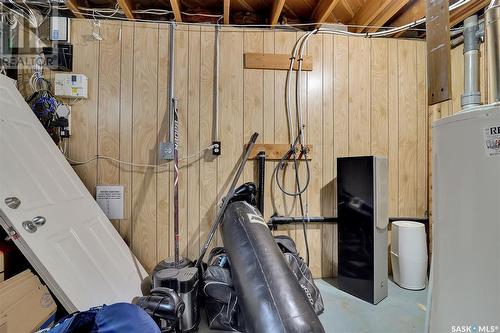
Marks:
<point>362,231</point>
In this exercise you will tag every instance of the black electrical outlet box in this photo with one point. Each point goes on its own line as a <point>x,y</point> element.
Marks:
<point>59,57</point>
<point>216,148</point>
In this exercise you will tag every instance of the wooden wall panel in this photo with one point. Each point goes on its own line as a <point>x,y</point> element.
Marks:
<point>282,204</point>
<point>340,118</point>
<point>126,106</point>
<point>379,120</point>
<point>181,92</point>
<point>422,134</point>
<point>362,97</point>
<point>163,176</point>
<point>84,115</point>
<point>393,128</point>
<point>359,96</point>
<point>315,124</point>
<point>231,108</point>
<point>208,163</point>
<point>407,128</point>
<point>193,143</point>
<point>144,143</point>
<point>327,192</point>
<point>108,117</point>
<point>268,118</point>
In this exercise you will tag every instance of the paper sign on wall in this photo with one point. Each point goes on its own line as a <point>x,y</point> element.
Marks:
<point>492,140</point>
<point>110,199</point>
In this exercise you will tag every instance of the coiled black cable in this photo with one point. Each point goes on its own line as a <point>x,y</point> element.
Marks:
<point>292,152</point>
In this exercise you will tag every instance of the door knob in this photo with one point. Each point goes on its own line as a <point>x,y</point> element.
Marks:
<point>12,202</point>
<point>38,221</point>
<point>29,226</point>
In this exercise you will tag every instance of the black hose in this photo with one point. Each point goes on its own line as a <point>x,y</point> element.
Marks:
<point>293,153</point>
<point>280,165</point>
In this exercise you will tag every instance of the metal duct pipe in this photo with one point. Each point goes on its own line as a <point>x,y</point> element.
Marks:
<point>492,27</point>
<point>471,96</point>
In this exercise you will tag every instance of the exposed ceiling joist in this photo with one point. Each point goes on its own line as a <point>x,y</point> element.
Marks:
<point>322,10</point>
<point>276,12</point>
<point>416,11</point>
<point>463,12</point>
<point>73,7</point>
<point>176,8</point>
<point>388,12</point>
<point>227,4</point>
<point>369,12</point>
<point>127,9</point>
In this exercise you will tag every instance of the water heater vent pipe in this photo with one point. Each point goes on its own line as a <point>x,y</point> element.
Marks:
<point>472,39</point>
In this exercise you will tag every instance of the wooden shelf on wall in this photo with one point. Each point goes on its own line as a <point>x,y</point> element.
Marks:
<point>275,151</point>
<point>274,61</point>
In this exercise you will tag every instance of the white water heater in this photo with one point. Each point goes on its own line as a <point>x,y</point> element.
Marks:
<point>464,290</point>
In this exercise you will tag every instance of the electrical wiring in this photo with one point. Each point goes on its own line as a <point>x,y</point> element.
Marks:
<point>142,165</point>
<point>389,32</point>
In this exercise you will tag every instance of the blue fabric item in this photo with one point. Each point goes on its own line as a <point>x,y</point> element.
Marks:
<point>115,318</point>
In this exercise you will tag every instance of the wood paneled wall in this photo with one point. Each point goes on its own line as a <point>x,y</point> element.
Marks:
<point>363,97</point>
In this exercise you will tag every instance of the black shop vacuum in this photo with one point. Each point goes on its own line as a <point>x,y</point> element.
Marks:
<point>173,300</point>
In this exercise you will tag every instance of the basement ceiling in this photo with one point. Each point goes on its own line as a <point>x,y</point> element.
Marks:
<point>360,15</point>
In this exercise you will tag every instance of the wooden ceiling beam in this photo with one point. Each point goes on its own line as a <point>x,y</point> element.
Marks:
<point>276,12</point>
<point>367,13</point>
<point>416,11</point>
<point>227,8</point>
<point>383,17</point>
<point>127,9</point>
<point>73,7</point>
<point>176,8</point>
<point>469,9</point>
<point>322,10</point>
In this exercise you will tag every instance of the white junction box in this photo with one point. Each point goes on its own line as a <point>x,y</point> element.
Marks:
<point>59,29</point>
<point>71,85</point>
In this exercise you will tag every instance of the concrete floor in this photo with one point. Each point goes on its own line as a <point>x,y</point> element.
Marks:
<point>401,312</point>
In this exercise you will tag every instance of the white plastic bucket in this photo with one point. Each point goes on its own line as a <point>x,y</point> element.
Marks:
<point>409,254</point>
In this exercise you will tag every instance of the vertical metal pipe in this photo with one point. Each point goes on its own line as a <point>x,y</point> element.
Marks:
<point>492,27</point>
<point>471,95</point>
<point>215,133</point>
<point>261,157</point>
<point>171,82</point>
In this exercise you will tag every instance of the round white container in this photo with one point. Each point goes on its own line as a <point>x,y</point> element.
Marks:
<point>409,254</point>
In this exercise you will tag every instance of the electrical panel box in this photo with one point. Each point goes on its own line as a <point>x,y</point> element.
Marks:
<point>59,29</point>
<point>71,85</point>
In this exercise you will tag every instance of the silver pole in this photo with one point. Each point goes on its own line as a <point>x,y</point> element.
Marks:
<point>171,97</point>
